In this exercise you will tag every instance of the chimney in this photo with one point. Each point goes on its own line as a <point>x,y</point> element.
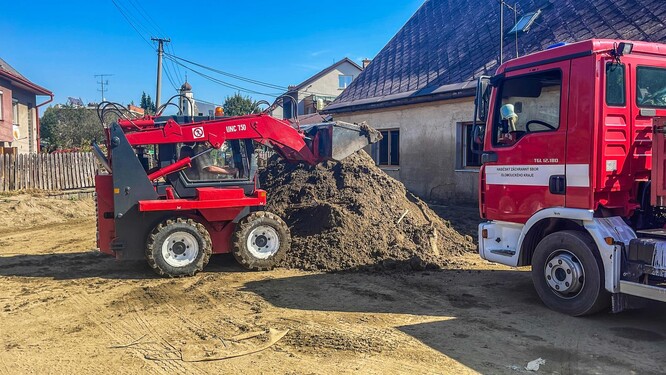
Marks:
<point>366,62</point>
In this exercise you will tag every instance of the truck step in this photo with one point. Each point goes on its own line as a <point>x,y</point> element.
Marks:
<point>651,233</point>
<point>641,290</point>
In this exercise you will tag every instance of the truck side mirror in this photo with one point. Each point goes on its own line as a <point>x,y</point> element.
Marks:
<point>482,96</point>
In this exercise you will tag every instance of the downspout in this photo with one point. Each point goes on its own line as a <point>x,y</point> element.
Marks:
<point>39,138</point>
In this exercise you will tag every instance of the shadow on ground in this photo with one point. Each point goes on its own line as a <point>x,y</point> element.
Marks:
<point>87,264</point>
<point>490,321</point>
<point>463,218</point>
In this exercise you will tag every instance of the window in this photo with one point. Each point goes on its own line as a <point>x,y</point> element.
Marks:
<point>387,151</point>
<point>651,87</point>
<point>525,22</point>
<point>15,111</point>
<point>1,106</point>
<point>530,104</point>
<point>229,162</point>
<point>466,158</point>
<point>344,81</point>
<point>615,88</point>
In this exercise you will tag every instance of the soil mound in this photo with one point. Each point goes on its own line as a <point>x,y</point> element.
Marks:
<point>26,210</point>
<point>352,215</point>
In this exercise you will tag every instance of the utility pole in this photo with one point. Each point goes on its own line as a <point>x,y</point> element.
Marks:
<point>515,13</point>
<point>160,52</point>
<point>501,32</point>
<point>103,83</point>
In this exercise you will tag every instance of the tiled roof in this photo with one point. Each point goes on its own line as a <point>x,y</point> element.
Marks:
<point>9,69</point>
<point>450,42</point>
<point>9,72</point>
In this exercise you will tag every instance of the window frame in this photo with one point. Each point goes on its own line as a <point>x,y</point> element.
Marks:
<point>15,111</point>
<point>639,67</point>
<point>624,85</point>
<point>465,134</point>
<point>376,151</point>
<point>2,102</point>
<point>340,76</point>
<point>498,105</point>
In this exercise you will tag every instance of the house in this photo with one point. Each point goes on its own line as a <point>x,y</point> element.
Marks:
<point>419,89</point>
<point>316,92</point>
<point>19,117</point>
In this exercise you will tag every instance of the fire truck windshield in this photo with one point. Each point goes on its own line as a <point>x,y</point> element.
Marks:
<point>651,87</point>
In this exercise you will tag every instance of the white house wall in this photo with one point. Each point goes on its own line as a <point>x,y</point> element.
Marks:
<point>428,151</point>
<point>327,85</point>
<point>27,141</point>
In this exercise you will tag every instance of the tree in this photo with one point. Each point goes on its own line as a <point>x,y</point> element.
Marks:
<point>238,105</point>
<point>66,127</point>
<point>147,103</point>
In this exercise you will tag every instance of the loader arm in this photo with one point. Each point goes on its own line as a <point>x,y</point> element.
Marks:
<point>313,144</point>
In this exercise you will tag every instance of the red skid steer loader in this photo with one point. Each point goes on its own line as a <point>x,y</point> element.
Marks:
<point>179,188</point>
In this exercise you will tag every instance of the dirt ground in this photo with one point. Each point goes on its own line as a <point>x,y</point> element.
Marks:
<point>65,308</point>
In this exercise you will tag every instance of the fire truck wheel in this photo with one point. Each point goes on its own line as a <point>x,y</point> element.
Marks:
<point>568,274</point>
<point>260,241</point>
<point>178,247</point>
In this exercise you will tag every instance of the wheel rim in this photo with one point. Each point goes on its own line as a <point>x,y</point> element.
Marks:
<point>180,249</point>
<point>263,242</point>
<point>564,274</point>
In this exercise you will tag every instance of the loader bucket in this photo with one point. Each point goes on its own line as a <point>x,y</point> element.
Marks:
<point>336,140</point>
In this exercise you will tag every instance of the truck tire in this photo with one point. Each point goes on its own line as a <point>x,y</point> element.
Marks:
<point>568,274</point>
<point>178,247</point>
<point>260,241</point>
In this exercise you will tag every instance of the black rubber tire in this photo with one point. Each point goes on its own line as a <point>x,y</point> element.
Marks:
<point>157,237</point>
<point>593,297</point>
<point>242,232</point>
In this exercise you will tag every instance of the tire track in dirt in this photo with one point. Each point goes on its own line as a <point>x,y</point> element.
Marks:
<point>136,308</point>
<point>121,331</point>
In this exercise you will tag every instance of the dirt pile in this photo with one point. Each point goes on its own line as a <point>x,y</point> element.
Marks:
<point>29,210</point>
<point>352,215</point>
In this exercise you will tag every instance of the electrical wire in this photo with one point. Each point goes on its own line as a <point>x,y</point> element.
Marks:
<point>224,83</point>
<point>141,11</point>
<point>231,75</point>
<point>152,27</point>
<point>122,12</point>
<point>177,68</point>
<point>178,60</point>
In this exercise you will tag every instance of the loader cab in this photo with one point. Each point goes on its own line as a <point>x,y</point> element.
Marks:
<point>232,165</point>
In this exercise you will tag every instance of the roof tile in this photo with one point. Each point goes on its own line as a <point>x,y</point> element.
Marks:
<point>452,41</point>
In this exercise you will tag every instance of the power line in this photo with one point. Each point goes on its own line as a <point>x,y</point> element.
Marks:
<point>222,83</point>
<point>131,23</point>
<point>231,75</point>
<point>176,67</point>
<point>155,29</point>
<point>141,11</point>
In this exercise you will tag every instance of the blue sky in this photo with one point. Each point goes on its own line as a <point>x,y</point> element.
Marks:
<point>62,45</point>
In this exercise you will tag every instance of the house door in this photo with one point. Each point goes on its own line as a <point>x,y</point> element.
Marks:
<point>525,147</point>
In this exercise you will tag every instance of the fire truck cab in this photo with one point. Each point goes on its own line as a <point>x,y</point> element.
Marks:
<point>572,181</point>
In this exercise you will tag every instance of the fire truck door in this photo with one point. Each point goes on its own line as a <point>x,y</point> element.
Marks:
<point>524,153</point>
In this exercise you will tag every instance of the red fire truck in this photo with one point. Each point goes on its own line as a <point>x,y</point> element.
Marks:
<point>573,179</point>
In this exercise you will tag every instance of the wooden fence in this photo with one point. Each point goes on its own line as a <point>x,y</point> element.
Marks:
<point>61,171</point>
